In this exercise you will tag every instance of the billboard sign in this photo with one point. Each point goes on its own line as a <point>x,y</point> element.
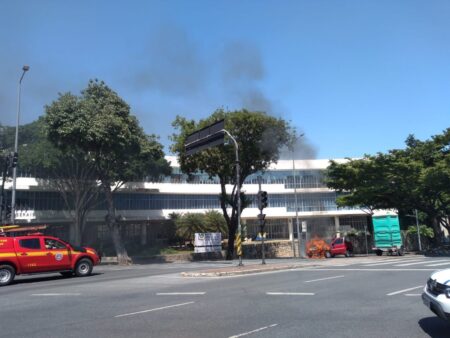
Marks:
<point>208,242</point>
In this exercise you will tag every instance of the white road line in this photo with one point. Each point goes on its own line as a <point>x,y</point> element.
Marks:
<point>254,331</point>
<point>180,293</point>
<point>446,263</point>
<point>362,269</point>
<point>413,294</point>
<point>290,293</point>
<point>415,263</point>
<point>317,280</point>
<point>150,310</point>
<point>394,261</point>
<point>55,294</point>
<point>404,290</point>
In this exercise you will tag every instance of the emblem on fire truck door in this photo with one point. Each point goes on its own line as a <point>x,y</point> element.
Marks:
<point>59,256</point>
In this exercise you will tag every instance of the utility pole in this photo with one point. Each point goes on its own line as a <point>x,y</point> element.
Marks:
<point>418,231</point>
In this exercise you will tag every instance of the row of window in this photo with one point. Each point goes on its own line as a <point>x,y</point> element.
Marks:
<point>31,200</point>
<point>301,178</point>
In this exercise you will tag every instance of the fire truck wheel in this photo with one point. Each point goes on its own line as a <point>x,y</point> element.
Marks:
<point>83,268</point>
<point>7,273</point>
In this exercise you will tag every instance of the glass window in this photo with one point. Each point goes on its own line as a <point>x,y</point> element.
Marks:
<point>30,243</point>
<point>54,244</point>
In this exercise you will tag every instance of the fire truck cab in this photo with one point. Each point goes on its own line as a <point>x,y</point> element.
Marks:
<point>38,253</point>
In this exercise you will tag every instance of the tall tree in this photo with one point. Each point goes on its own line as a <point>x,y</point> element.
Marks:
<point>68,172</point>
<point>259,137</point>
<point>417,177</point>
<point>99,124</point>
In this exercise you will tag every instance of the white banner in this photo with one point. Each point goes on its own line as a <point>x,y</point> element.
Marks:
<point>208,242</point>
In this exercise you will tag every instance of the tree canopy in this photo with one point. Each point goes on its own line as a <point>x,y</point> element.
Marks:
<point>100,125</point>
<point>260,138</point>
<point>417,177</point>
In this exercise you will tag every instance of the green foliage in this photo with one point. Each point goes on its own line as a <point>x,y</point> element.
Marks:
<point>423,229</point>
<point>417,177</point>
<point>215,222</point>
<point>259,136</point>
<point>188,224</point>
<point>99,123</point>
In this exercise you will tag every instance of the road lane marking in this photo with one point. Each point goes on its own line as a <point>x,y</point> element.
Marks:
<point>254,331</point>
<point>394,261</point>
<point>317,280</point>
<point>404,290</point>
<point>446,263</point>
<point>180,293</point>
<point>151,310</point>
<point>55,294</point>
<point>415,263</point>
<point>290,293</point>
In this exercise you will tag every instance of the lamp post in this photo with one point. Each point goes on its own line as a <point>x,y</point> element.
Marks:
<point>300,255</point>
<point>16,144</point>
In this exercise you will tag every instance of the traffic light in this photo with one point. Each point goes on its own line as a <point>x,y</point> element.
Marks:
<point>14,159</point>
<point>262,200</point>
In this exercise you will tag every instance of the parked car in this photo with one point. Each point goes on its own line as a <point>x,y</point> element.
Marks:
<point>340,246</point>
<point>436,294</point>
<point>37,253</point>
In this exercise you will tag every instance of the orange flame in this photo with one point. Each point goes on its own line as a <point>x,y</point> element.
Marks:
<point>316,248</point>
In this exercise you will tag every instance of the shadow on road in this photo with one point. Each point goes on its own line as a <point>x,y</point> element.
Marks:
<point>435,327</point>
<point>36,278</point>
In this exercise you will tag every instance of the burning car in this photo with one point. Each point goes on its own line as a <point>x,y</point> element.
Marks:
<point>317,248</point>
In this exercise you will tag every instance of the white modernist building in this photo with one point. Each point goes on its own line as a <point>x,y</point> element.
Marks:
<point>296,189</point>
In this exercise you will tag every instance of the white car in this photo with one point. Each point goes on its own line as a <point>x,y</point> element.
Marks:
<point>436,294</point>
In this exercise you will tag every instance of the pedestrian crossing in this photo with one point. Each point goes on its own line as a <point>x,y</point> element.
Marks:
<point>402,262</point>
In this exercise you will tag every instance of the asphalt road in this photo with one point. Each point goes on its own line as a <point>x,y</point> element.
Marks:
<point>342,297</point>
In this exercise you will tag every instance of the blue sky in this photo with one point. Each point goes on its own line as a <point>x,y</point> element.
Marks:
<point>355,76</point>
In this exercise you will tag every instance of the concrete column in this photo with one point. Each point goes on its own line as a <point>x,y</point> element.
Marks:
<point>144,234</point>
<point>291,229</point>
<point>337,226</point>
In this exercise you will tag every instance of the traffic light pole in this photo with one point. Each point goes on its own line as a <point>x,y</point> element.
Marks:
<point>2,198</point>
<point>261,224</point>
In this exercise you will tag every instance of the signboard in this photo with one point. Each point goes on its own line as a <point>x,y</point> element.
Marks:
<point>205,138</point>
<point>304,227</point>
<point>208,242</point>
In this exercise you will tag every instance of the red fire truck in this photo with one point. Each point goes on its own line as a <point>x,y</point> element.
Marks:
<point>39,253</point>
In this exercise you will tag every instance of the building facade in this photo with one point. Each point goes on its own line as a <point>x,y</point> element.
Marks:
<point>296,189</point>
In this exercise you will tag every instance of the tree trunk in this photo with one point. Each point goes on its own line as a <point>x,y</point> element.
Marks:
<point>75,232</point>
<point>232,227</point>
<point>113,226</point>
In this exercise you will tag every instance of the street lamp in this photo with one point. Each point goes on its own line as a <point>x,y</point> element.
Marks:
<point>16,144</point>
